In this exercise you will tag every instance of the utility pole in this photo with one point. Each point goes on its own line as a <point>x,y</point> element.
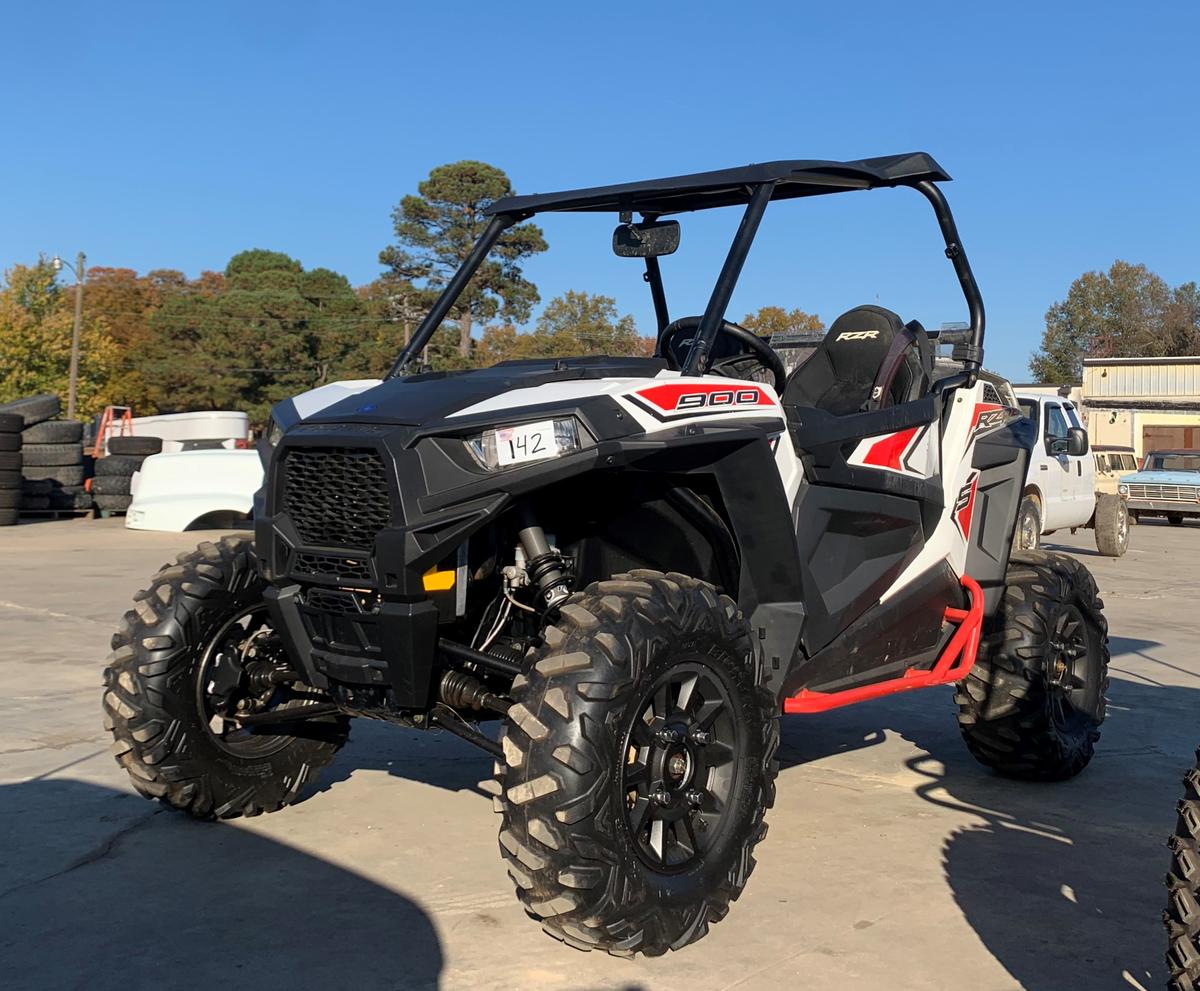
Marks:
<point>79,274</point>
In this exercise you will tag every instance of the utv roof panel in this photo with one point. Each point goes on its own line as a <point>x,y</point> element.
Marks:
<point>729,187</point>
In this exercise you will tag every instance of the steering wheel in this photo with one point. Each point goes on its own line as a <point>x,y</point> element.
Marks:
<point>676,351</point>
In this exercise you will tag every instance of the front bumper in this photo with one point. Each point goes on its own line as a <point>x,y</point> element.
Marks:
<point>345,551</point>
<point>1163,506</point>
<point>393,671</point>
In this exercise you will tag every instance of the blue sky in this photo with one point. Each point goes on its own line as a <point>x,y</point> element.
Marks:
<point>172,135</point>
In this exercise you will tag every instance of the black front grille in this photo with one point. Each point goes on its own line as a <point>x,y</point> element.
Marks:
<point>336,496</point>
<point>345,568</point>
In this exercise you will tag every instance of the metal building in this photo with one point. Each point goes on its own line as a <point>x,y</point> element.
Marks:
<point>1145,403</point>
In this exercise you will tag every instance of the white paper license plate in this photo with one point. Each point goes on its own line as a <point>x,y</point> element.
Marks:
<point>528,442</point>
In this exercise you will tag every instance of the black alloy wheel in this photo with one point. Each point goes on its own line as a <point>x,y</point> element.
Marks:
<point>234,679</point>
<point>680,766</point>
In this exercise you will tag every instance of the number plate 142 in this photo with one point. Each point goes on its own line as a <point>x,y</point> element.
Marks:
<point>528,442</point>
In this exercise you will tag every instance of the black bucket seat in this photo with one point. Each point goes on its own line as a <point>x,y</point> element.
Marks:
<point>869,359</point>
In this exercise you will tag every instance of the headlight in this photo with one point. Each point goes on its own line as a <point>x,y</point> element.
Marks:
<point>505,446</point>
<point>1123,489</point>
<point>273,433</point>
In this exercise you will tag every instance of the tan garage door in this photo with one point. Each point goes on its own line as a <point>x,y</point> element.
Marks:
<point>1170,438</point>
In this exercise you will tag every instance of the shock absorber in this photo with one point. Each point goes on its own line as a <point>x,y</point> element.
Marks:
<point>544,565</point>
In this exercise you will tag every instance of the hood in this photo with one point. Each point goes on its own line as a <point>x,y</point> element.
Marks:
<point>424,399</point>
<point>1162,478</point>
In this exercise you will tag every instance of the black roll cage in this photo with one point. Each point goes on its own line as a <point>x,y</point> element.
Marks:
<point>754,186</point>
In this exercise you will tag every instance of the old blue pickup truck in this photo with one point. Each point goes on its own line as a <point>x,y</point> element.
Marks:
<point>1168,485</point>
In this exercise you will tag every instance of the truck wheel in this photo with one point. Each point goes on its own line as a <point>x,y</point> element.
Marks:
<point>639,763</point>
<point>1112,525</point>
<point>193,653</point>
<point>1028,533</point>
<point>1175,519</point>
<point>1182,917</point>
<point>1033,704</point>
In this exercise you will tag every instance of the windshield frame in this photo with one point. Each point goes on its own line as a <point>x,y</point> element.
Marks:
<point>969,353</point>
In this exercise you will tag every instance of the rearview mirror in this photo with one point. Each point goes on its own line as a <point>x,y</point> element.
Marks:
<point>649,239</point>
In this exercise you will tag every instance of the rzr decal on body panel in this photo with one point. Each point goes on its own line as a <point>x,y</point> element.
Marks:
<point>676,399</point>
<point>964,505</point>
<point>988,416</point>
<point>907,452</point>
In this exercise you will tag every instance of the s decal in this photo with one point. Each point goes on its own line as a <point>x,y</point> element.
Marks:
<point>964,505</point>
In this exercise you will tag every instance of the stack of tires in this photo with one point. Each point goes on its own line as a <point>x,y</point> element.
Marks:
<point>52,456</point>
<point>10,467</point>
<point>110,487</point>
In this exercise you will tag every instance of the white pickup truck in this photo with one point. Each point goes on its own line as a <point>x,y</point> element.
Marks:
<point>1060,488</point>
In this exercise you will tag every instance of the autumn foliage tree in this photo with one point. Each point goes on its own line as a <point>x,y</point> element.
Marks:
<point>1125,312</point>
<point>776,320</point>
<point>125,302</point>
<point>575,323</point>
<point>435,231</point>
<point>36,323</point>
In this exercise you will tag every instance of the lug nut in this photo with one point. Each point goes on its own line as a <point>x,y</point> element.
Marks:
<point>661,798</point>
<point>695,796</point>
<point>701,738</point>
<point>668,735</point>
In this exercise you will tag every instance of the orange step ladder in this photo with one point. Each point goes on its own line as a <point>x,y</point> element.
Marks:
<point>122,416</point>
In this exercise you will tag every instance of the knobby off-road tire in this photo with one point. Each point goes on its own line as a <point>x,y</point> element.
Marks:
<point>1032,705</point>
<point>1182,917</point>
<point>572,750</point>
<point>1112,525</point>
<point>153,690</point>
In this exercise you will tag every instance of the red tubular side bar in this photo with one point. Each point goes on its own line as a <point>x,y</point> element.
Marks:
<point>955,663</point>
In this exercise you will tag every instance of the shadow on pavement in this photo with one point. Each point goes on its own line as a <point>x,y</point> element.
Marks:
<point>158,900</point>
<point>1061,882</point>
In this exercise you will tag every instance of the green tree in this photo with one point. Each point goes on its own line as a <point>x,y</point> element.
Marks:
<point>776,320</point>
<point>575,323</point>
<point>1124,312</point>
<point>36,323</point>
<point>435,230</point>
<point>271,330</point>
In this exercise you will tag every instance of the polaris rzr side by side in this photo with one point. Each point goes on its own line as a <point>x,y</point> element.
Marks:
<point>634,566</point>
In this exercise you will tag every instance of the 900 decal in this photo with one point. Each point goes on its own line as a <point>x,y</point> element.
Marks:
<point>726,397</point>
<point>680,398</point>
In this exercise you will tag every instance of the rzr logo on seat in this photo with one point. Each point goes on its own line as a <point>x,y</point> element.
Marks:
<point>857,335</point>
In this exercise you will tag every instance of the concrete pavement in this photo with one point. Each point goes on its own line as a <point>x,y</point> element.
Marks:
<point>893,861</point>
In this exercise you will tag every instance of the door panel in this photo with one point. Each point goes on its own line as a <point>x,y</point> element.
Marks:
<point>1054,470</point>
<point>852,545</point>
